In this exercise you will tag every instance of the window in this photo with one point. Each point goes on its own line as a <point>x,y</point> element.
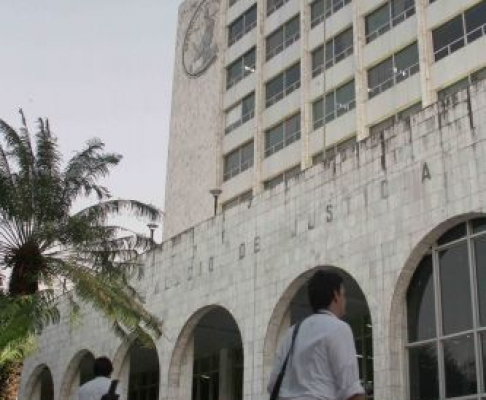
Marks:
<point>342,148</point>
<point>274,5</point>
<point>403,115</point>
<point>445,337</point>
<point>232,2</point>
<point>387,16</point>
<point>283,37</point>
<point>284,177</point>
<point>459,31</point>
<point>282,135</point>
<point>238,161</point>
<point>322,9</point>
<point>337,49</point>
<point>240,68</point>
<point>241,26</point>
<point>235,201</point>
<point>337,103</point>
<point>462,84</point>
<point>393,70</point>
<point>282,85</point>
<point>240,113</point>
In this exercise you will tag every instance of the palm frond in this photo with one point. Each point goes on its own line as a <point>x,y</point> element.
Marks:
<point>116,207</point>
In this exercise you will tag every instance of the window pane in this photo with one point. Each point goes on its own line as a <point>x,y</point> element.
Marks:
<point>249,59</point>
<point>317,9</point>
<point>455,289</point>
<point>475,17</point>
<point>480,253</point>
<point>329,52</point>
<point>292,75</point>
<point>405,59</point>
<point>479,225</point>
<point>345,95</point>
<point>250,17</point>
<point>292,27</point>
<point>420,302</point>
<point>274,137</point>
<point>248,104</point>
<point>317,113</point>
<point>380,73</point>
<point>483,347</point>
<point>343,41</point>
<point>274,87</point>
<point>450,34</point>
<point>274,41</point>
<point>247,154</point>
<point>460,366</point>
<point>317,60</point>
<point>424,375</point>
<point>330,106</point>
<point>235,30</point>
<point>377,19</point>
<point>453,234</point>
<point>399,6</point>
<point>292,126</point>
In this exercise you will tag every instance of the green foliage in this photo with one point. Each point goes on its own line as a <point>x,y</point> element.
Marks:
<point>44,245</point>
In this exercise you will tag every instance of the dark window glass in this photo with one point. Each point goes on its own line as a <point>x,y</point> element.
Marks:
<point>292,28</point>
<point>405,61</point>
<point>398,7</point>
<point>345,98</point>
<point>483,347</point>
<point>274,42</point>
<point>455,289</point>
<point>248,106</point>
<point>420,303</point>
<point>318,114</point>
<point>479,225</point>
<point>317,61</point>
<point>381,73</point>
<point>424,374</point>
<point>292,75</point>
<point>460,366</point>
<point>343,41</point>
<point>453,234</point>
<point>235,30</point>
<point>317,11</point>
<point>330,106</point>
<point>480,254</point>
<point>475,17</point>
<point>274,87</point>
<point>448,38</point>
<point>377,22</point>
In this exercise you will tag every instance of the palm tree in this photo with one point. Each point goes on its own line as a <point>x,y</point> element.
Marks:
<point>47,249</point>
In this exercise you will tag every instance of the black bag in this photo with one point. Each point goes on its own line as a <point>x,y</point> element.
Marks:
<point>278,382</point>
<point>111,395</point>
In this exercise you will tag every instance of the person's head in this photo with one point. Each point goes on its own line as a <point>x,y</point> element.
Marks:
<point>102,367</point>
<point>326,291</point>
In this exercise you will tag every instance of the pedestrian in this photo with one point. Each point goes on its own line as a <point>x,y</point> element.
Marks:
<point>101,387</point>
<point>316,359</point>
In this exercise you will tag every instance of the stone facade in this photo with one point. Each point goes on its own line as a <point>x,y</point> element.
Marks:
<point>372,211</point>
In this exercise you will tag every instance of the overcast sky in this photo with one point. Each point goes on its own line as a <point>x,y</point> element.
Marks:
<point>95,68</point>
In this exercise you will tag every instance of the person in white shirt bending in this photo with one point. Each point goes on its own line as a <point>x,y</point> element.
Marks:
<point>322,364</point>
<point>97,387</point>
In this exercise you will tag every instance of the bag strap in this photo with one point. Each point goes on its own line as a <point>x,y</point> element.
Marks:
<point>278,382</point>
<point>113,386</point>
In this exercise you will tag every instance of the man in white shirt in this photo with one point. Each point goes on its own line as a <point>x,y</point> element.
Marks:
<point>323,363</point>
<point>100,384</point>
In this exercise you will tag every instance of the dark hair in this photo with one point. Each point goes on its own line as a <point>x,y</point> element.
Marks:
<point>322,287</point>
<point>102,367</point>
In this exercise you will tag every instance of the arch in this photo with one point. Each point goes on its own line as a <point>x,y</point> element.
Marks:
<point>72,373</point>
<point>183,347</point>
<point>33,387</point>
<point>281,312</point>
<point>398,309</point>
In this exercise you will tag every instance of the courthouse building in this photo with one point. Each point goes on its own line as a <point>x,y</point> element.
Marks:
<point>338,134</point>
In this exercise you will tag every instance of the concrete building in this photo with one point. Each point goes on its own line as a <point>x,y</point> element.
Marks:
<point>341,134</point>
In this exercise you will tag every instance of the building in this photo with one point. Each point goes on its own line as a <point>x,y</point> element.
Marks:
<point>341,134</point>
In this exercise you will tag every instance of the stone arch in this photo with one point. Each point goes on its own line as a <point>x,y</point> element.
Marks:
<point>123,364</point>
<point>72,374</point>
<point>280,316</point>
<point>398,309</point>
<point>34,382</point>
<point>183,348</point>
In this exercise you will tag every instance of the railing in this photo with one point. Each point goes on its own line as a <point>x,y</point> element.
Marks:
<point>281,47</point>
<point>286,140</point>
<point>247,28</point>
<point>247,70</point>
<point>280,95</point>
<point>391,23</point>
<point>397,77</point>
<point>237,170</point>
<point>327,13</point>
<point>241,121</point>
<point>460,43</point>
<point>275,6</point>
<point>337,112</point>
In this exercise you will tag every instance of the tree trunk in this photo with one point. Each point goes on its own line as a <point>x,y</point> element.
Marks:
<point>10,374</point>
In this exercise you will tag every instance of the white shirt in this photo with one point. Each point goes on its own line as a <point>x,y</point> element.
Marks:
<point>95,389</point>
<point>323,364</point>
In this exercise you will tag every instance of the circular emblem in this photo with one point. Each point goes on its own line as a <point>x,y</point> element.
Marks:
<point>200,48</point>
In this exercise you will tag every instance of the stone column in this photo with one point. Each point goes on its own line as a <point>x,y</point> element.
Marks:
<point>360,81</point>
<point>426,56</point>
<point>305,77</point>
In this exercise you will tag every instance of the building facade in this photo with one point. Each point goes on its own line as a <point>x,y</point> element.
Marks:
<point>347,135</point>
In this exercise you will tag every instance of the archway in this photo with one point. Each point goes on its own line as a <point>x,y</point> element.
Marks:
<point>293,306</point>
<point>40,386</point>
<point>137,367</point>
<point>78,372</point>
<point>207,363</point>
<point>445,324</point>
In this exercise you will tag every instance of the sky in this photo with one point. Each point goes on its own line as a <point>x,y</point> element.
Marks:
<point>95,68</point>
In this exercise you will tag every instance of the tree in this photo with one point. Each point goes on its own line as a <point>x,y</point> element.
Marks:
<point>44,245</point>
